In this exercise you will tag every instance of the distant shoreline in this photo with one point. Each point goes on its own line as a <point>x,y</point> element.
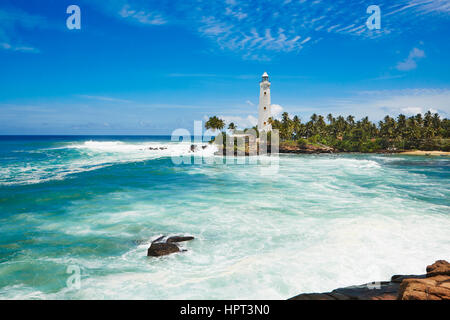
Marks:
<point>425,153</point>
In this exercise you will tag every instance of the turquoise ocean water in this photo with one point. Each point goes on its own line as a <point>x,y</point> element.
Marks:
<point>320,222</point>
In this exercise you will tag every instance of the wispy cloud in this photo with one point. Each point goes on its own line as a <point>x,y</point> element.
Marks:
<point>104,98</point>
<point>10,20</point>
<point>142,16</point>
<point>410,62</point>
<point>258,29</point>
<point>12,47</point>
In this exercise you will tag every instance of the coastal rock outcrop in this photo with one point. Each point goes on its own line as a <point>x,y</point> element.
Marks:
<point>435,285</point>
<point>162,248</point>
<point>439,268</point>
<point>307,149</point>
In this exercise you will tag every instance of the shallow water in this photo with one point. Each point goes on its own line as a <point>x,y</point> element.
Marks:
<point>320,222</point>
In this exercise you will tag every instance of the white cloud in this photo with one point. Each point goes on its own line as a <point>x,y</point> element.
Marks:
<point>415,110</point>
<point>276,110</point>
<point>241,122</point>
<point>251,104</point>
<point>410,62</point>
<point>422,99</point>
<point>411,110</point>
<point>378,103</point>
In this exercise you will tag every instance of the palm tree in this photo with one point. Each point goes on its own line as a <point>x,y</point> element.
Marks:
<point>330,118</point>
<point>232,127</point>
<point>351,120</point>
<point>214,123</point>
<point>321,125</point>
<point>436,121</point>
<point>401,125</point>
<point>296,124</point>
<point>286,126</point>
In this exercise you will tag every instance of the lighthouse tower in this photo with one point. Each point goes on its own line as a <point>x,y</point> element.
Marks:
<point>264,104</point>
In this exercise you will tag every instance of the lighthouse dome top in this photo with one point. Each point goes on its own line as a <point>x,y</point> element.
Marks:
<point>265,75</point>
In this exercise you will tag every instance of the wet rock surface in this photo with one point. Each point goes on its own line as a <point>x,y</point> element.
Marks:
<point>179,239</point>
<point>435,285</point>
<point>158,249</point>
<point>163,246</point>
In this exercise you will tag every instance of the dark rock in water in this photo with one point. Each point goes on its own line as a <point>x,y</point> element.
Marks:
<point>140,242</point>
<point>204,147</point>
<point>156,148</point>
<point>161,247</point>
<point>193,147</point>
<point>179,239</point>
<point>158,249</point>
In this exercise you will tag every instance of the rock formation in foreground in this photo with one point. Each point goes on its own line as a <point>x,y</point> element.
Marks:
<point>435,285</point>
<point>159,247</point>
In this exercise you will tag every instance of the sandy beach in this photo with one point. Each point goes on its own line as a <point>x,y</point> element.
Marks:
<point>426,153</point>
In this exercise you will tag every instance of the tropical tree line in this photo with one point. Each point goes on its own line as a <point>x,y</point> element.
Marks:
<point>424,132</point>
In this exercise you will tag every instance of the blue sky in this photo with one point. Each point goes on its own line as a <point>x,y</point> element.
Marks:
<point>149,67</point>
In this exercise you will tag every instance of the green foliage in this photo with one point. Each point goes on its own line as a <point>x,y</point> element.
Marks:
<point>214,123</point>
<point>302,142</point>
<point>427,132</point>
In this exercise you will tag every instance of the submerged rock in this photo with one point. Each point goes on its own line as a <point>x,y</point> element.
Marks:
<point>158,249</point>
<point>156,148</point>
<point>179,239</point>
<point>140,242</point>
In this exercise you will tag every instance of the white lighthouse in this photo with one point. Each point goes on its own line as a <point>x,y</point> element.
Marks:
<point>264,104</point>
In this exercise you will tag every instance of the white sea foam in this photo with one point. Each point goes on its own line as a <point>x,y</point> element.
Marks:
<point>322,222</point>
<point>95,155</point>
